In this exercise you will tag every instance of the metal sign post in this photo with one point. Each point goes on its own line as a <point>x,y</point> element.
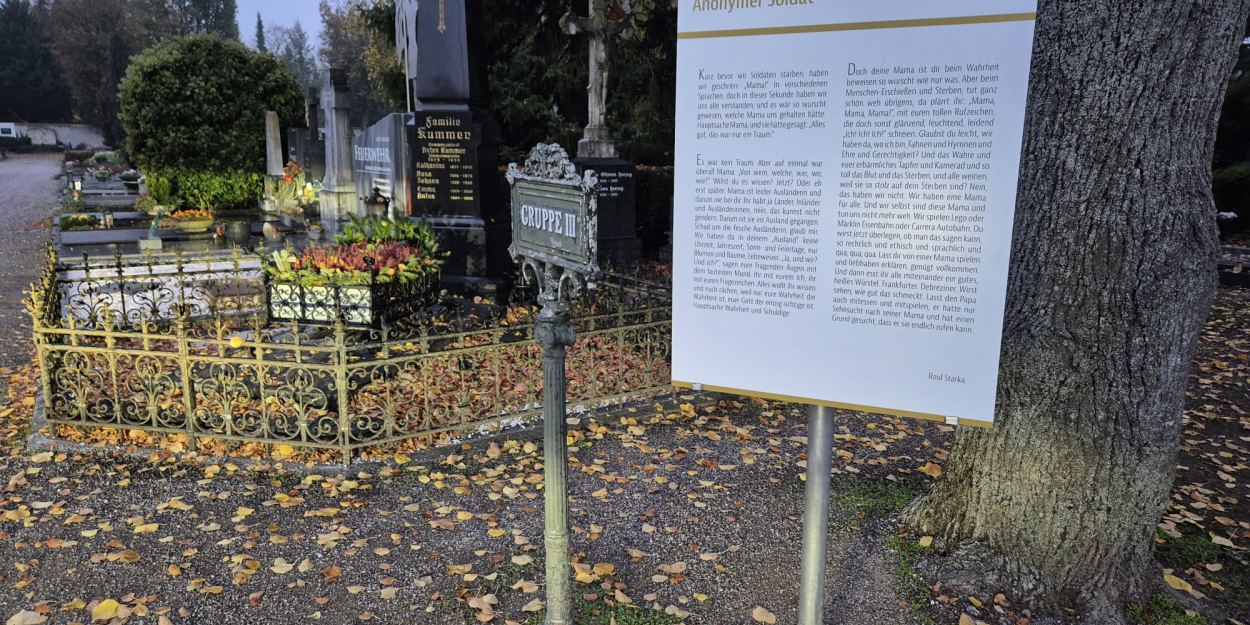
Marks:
<point>816,515</point>
<point>555,240</point>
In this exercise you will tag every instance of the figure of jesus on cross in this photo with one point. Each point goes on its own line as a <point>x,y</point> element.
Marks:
<point>605,19</point>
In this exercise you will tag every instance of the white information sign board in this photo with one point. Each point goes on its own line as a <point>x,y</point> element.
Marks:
<point>846,184</point>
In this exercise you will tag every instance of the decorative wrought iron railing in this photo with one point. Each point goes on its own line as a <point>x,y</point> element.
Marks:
<point>185,346</point>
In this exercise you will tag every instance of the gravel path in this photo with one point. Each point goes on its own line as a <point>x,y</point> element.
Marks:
<point>691,516</point>
<point>28,189</point>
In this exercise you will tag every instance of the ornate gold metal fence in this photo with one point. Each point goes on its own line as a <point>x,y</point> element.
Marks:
<point>173,345</point>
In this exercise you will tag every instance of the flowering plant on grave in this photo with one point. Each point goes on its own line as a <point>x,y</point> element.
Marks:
<point>102,174</point>
<point>191,214</point>
<point>289,190</point>
<point>355,264</point>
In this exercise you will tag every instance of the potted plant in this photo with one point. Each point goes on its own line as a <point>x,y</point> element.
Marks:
<point>376,270</point>
<point>147,205</point>
<point>130,178</point>
<point>102,174</point>
<point>161,188</point>
<point>192,220</point>
<point>287,192</point>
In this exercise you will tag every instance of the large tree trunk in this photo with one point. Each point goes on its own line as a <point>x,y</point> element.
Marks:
<point>1112,275</point>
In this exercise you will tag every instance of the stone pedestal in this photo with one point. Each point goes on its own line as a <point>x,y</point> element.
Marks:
<point>619,245</point>
<point>338,197</point>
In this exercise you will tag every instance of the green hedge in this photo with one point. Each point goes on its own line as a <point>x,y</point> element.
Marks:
<point>199,103</point>
<point>231,190</point>
<point>1232,195</point>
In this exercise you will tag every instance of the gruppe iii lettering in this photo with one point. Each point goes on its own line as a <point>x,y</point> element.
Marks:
<point>549,220</point>
<point>729,6</point>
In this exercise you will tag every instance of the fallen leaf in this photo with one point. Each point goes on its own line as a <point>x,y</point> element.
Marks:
<point>763,616</point>
<point>104,610</point>
<point>26,617</point>
<point>1177,583</point>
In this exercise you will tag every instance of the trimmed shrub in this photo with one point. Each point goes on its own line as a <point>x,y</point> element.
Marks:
<point>213,190</point>
<point>199,103</point>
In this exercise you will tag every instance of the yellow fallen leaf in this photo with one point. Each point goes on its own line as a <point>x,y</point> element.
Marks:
<point>1177,583</point>
<point>763,616</point>
<point>281,567</point>
<point>585,577</point>
<point>104,610</point>
<point>146,528</point>
<point>925,541</point>
<point>604,569</point>
<point>389,593</point>
<point>533,606</point>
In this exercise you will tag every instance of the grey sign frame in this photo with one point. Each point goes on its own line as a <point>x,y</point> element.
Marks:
<point>550,182</point>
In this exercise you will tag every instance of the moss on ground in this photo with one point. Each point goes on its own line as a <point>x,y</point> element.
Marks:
<point>1162,609</point>
<point>910,584</point>
<point>874,498</point>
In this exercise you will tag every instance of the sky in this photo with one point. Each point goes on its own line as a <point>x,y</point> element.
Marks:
<point>279,13</point>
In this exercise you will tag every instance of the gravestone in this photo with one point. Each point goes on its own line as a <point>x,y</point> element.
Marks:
<point>619,245</point>
<point>273,145</point>
<point>306,145</point>
<point>382,167</point>
<point>453,139</point>
<point>338,194</point>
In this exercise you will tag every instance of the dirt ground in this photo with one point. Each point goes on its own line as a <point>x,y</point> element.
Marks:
<point>682,511</point>
<point>28,189</point>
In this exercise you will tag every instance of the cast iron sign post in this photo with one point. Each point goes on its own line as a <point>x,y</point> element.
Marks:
<point>555,240</point>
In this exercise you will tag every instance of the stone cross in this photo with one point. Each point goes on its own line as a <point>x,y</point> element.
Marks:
<point>604,21</point>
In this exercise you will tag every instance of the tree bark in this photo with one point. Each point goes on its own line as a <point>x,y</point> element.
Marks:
<point>1113,272</point>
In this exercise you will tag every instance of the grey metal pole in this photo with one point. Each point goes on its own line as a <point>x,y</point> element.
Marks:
<point>816,515</point>
<point>555,334</point>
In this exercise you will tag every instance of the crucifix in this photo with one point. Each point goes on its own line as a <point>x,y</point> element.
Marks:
<point>605,19</point>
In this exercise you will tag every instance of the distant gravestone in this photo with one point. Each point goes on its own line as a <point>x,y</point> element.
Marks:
<point>382,166</point>
<point>306,145</point>
<point>338,195</point>
<point>273,145</point>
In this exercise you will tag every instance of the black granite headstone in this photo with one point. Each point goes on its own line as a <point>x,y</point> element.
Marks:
<point>453,142</point>
<point>619,245</point>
